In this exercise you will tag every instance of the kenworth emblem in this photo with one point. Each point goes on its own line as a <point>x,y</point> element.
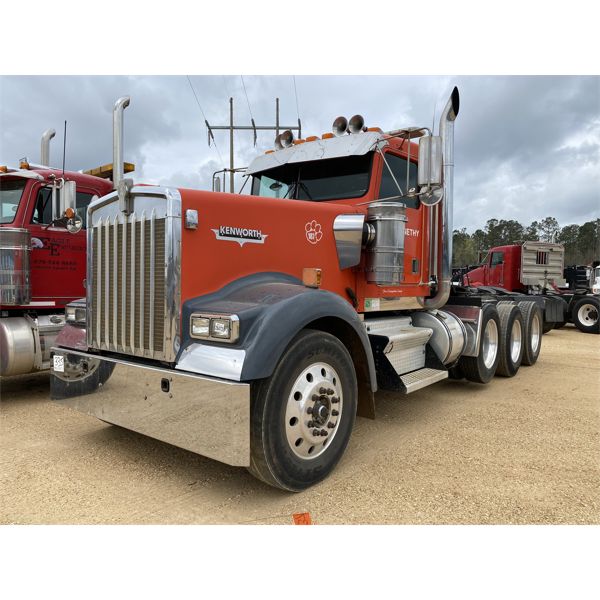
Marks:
<point>241,235</point>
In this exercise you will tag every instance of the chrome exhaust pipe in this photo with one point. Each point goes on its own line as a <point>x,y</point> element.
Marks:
<point>443,264</point>
<point>118,172</point>
<point>45,149</point>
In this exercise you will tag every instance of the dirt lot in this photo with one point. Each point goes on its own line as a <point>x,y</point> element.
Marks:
<point>520,450</point>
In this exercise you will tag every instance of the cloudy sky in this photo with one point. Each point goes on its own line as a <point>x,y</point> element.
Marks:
<point>526,147</point>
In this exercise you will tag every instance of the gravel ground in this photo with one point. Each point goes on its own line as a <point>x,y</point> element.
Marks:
<point>520,450</point>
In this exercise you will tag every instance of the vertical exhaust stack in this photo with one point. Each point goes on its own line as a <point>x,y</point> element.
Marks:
<point>443,264</point>
<point>118,172</point>
<point>45,149</point>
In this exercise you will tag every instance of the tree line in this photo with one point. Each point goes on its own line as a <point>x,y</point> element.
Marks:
<point>581,242</point>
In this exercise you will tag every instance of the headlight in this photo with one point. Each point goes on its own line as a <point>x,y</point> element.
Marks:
<point>76,314</point>
<point>222,328</point>
<point>200,327</point>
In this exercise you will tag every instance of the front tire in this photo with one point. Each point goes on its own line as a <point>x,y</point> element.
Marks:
<point>585,315</point>
<point>302,415</point>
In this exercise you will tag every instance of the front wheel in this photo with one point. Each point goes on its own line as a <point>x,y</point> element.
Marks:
<point>585,315</point>
<point>302,415</point>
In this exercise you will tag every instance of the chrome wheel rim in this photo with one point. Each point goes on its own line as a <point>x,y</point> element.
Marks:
<point>516,340</point>
<point>535,333</point>
<point>587,314</point>
<point>80,368</point>
<point>313,411</point>
<point>490,343</point>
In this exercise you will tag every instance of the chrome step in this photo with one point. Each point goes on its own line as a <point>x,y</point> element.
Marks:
<point>422,378</point>
<point>405,347</point>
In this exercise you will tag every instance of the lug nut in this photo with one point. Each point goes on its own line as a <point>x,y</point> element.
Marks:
<point>334,413</point>
<point>309,410</point>
<point>330,391</point>
<point>315,397</point>
<point>316,432</point>
<point>323,432</point>
<point>311,423</point>
<point>331,425</point>
<point>335,400</point>
<point>323,391</point>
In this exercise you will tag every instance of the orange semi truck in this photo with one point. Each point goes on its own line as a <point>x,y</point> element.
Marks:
<point>252,329</point>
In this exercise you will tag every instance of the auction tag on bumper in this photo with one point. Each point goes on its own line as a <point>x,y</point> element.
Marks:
<point>59,363</point>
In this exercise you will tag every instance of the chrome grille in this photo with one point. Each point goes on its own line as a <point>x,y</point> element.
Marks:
<point>128,291</point>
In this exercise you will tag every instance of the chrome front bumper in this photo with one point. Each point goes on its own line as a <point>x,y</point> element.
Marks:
<point>205,415</point>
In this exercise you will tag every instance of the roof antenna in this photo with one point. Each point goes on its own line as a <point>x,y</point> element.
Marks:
<point>64,147</point>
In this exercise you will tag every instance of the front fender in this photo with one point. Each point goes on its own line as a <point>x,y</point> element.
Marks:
<point>273,308</point>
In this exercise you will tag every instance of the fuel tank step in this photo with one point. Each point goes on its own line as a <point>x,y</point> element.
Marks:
<point>401,343</point>
<point>422,378</point>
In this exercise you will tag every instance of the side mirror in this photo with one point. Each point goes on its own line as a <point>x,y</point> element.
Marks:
<point>430,169</point>
<point>74,223</point>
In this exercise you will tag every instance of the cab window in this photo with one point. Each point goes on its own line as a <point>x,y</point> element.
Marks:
<point>497,258</point>
<point>318,180</point>
<point>11,191</point>
<point>42,212</point>
<point>388,188</point>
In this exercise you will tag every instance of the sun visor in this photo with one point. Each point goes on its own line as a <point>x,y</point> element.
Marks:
<point>346,145</point>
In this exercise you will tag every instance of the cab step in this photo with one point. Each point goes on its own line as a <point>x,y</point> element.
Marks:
<point>422,378</point>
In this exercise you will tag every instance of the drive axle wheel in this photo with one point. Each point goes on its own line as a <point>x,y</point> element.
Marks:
<point>511,339</point>
<point>481,368</point>
<point>532,337</point>
<point>585,315</point>
<point>302,416</point>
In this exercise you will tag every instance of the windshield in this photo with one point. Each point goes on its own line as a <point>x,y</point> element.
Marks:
<point>331,179</point>
<point>10,195</point>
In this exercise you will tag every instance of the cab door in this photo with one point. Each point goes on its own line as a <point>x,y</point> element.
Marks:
<point>58,258</point>
<point>496,277</point>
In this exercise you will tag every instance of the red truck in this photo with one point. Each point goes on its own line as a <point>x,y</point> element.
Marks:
<point>43,214</point>
<point>537,269</point>
<point>252,329</point>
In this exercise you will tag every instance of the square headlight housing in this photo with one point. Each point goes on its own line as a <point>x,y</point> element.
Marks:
<point>221,328</point>
<point>75,314</point>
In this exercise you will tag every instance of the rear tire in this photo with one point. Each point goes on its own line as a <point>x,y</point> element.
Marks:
<point>532,321</point>
<point>548,326</point>
<point>302,415</point>
<point>585,315</point>
<point>481,368</point>
<point>511,339</point>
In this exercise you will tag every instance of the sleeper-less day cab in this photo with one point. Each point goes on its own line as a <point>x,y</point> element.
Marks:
<point>252,329</point>
<point>42,255</point>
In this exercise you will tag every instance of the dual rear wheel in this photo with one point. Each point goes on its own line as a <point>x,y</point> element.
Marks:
<point>511,335</point>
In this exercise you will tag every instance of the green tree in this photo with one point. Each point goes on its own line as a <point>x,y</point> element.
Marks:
<point>588,241</point>
<point>548,229</point>
<point>531,233</point>
<point>568,237</point>
<point>463,248</point>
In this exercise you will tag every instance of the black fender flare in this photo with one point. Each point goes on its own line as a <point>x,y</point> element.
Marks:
<point>273,308</point>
